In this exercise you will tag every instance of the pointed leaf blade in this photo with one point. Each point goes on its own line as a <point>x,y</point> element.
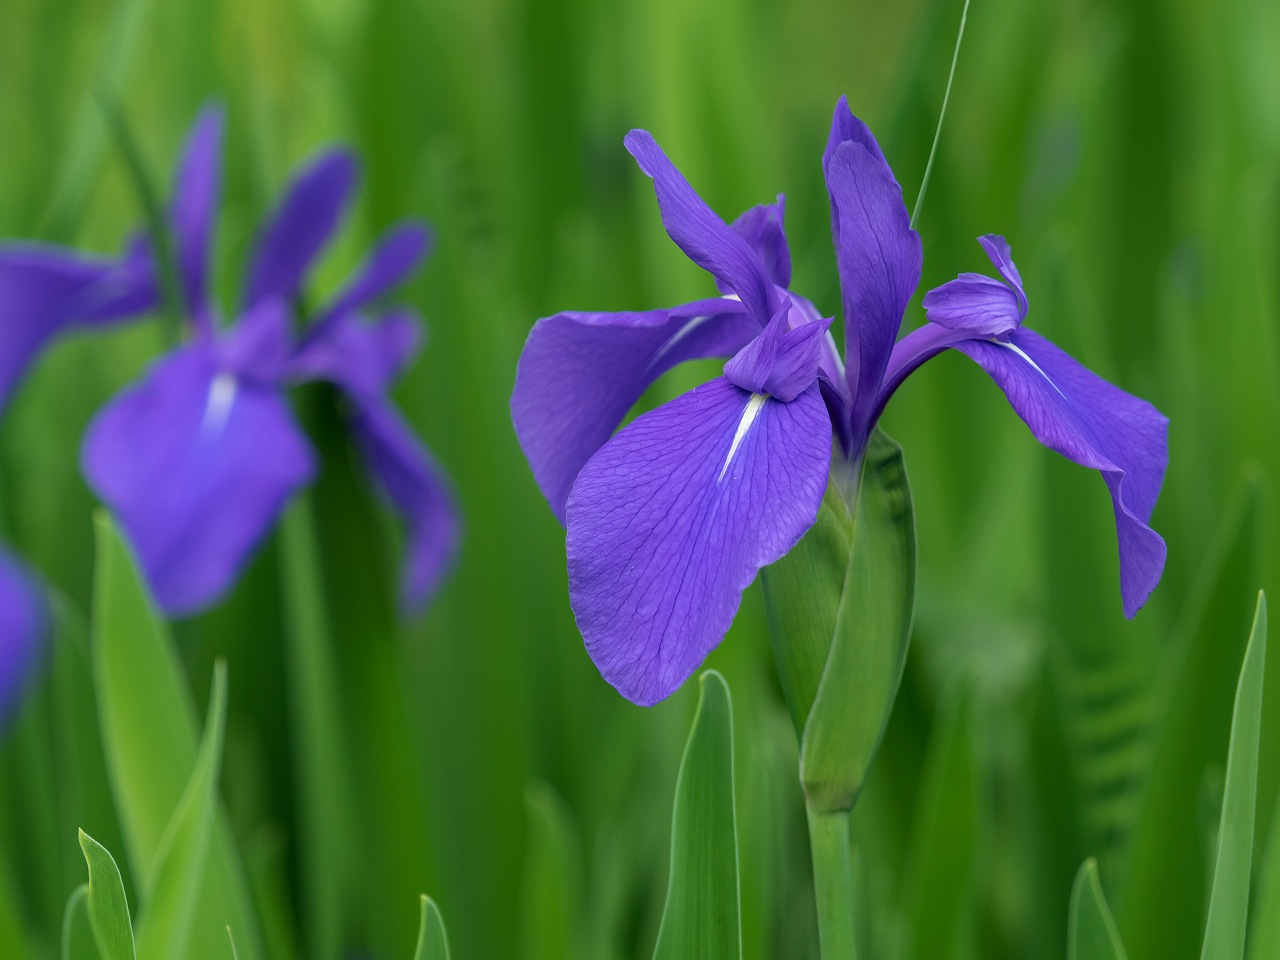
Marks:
<point>433,943</point>
<point>1224,935</point>
<point>702,918</point>
<point>1092,933</point>
<point>107,905</point>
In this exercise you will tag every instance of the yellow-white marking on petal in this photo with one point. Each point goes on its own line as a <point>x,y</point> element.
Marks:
<point>1035,366</point>
<point>222,396</point>
<point>754,405</point>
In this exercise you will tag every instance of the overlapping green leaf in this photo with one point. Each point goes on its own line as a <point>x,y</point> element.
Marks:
<point>106,902</point>
<point>1224,936</point>
<point>149,737</point>
<point>702,920</point>
<point>1092,933</point>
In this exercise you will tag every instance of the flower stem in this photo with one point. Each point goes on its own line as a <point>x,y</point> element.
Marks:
<point>833,882</point>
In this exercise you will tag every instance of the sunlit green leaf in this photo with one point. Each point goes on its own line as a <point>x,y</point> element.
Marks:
<point>433,943</point>
<point>552,920</point>
<point>149,737</point>
<point>164,922</point>
<point>1224,935</point>
<point>1092,934</point>
<point>701,920</point>
<point>107,905</point>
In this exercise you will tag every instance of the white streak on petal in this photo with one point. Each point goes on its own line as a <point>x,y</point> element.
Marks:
<point>222,397</point>
<point>749,415</point>
<point>1034,366</point>
<point>676,337</point>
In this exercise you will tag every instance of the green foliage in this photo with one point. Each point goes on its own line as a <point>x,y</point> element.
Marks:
<point>701,920</point>
<point>106,902</point>
<point>1092,933</point>
<point>77,931</point>
<point>1229,901</point>
<point>148,729</point>
<point>432,942</point>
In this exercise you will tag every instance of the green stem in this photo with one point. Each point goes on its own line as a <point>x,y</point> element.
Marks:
<point>833,882</point>
<point>942,115</point>
<point>171,296</point>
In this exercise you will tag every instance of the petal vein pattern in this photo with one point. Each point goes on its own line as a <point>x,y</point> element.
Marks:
<point>662,538</point>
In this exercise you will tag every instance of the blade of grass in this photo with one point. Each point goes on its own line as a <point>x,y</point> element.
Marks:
<point>701,918</point>
<point>942,115</point>
<point>1092,933</point>
<point>433,943</point>
<point>107,905</point>
<point>1224,934</point>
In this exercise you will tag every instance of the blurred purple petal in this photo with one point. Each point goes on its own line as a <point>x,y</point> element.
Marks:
<point>23,625</point>
<point>670,521</point>
<point>580,373</point>
<point>879,258</point>
<point>419,491</point>
<point>396,256</point>
<point>260,346</point>
<point>361,357</point>
<point>45,291</point>
<point>761,227</point>
<point>1095,424</point>
<point>197,463</point>
<point>194,207</point>
<point>980,305</point>
<point>300,227</point>
<point>781,362</point>
<point>701,234</point>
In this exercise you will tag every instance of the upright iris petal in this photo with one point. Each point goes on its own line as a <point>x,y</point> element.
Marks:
<point>198,460</point>
<point>22,626</point>
<point>878,256</point>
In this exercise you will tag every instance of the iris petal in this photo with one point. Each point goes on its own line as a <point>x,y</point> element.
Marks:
<point>878,256</point>
<point>697,230</point>
<point>197,463</point>
<point>193,211</point>
<point>1072,410</point>
<point>419,491</point>
<point>300,227</point>
<point>22,626</point>
<point>580,373</point>
<point>671,520</point>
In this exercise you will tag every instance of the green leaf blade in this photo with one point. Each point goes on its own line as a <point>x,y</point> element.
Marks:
<point>433,942</point>
<point>173,889</point>
<point>1224,936</point>
<point>106,902</point>
<point>702,919</point>
<point>1092,933</point>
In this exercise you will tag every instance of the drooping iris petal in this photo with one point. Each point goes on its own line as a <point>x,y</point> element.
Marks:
<point>762,228</point>
<point>697,230</point>
<point>22,627</point>
<point>670,521</point>
<point>1095,424</point>
<point>44,291</point>
<point>300,227</point>
<point>781,362</point>
<point>879,258</point>
<point>580,373</point>
<point>196,462</point>
<point>395,257</point>
<point>418,489</point>
<point>972,302</point>
<point>193,210</point>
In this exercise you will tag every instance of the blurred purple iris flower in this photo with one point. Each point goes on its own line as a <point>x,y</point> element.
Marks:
<point>22,627</point>
<point>669,519</point>
<point>199,458</point>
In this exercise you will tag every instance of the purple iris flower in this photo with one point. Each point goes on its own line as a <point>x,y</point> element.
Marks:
<point>670,518</point>
<point>22,626</point>
<point>199,458</point>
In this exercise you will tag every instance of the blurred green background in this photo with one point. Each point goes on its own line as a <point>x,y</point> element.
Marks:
<point>1129,150</point>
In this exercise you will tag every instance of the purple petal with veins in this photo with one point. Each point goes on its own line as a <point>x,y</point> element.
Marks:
<point>580,373</point>
<point>671,520</point>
